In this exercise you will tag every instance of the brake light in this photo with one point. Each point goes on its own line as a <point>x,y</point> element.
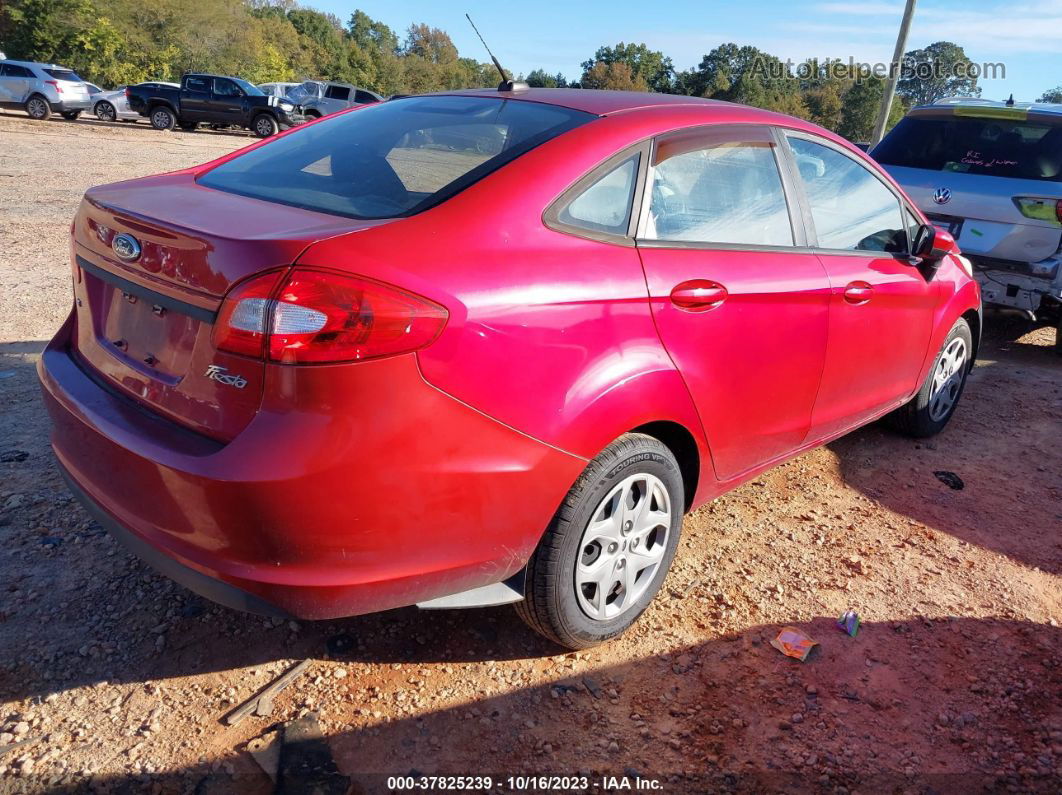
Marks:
<point>1040,209</point>
<point>58,88</point>
<point>316,317</point>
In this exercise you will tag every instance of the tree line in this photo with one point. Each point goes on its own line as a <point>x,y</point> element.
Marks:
<point>115,42</point>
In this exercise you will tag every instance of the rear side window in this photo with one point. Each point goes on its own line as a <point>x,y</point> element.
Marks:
<point>393,158</point>
<point>851,208</point>
<point>718,187</point>
<point>337,92</point>
<point>201,84</point>
<point>1019,148</point>
<point>604,206</point>
<point>63,74</point>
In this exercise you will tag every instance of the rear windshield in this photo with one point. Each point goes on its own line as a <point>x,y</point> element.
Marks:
<point>393,158</point>
<point>1023,149</point>
<point>64,74</point>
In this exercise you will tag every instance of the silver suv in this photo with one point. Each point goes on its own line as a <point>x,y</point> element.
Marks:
<point>42,89</point>
<point>320,98</point>
<point>991,173</point>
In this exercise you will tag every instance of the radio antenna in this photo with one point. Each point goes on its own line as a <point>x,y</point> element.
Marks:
<point>507,83</point>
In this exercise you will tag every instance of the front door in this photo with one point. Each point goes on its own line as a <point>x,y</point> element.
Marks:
<point>881,307</point>
<point>740,307</point>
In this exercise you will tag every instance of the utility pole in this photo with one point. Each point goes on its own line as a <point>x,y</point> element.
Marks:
<point>894,74</point>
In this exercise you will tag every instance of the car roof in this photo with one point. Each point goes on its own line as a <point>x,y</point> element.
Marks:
<point>598,102</point>
<point>34,63</point>
<point>989,107</point>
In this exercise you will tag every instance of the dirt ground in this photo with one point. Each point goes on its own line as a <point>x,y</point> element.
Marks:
<point>114,679</point>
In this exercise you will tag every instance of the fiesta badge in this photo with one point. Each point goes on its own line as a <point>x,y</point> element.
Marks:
<point>126,247</point>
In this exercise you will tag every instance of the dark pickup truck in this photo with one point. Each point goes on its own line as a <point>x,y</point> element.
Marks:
<point>214,100</point>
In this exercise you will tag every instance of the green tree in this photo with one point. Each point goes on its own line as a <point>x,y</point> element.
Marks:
<point>431,44</point>
<point>538,78</point>
<point>861,105</point>
<point>614,77</point>
<point>651,66</point>
<point>1054,95</point>
<point>939,70</point>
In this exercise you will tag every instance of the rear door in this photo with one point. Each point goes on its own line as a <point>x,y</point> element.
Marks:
<point>195,99</point>
<point>881,306</point>
<point>740,304</point>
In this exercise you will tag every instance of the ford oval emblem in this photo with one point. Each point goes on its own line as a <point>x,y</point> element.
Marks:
<point>126,247</point>
<point>942,195</point>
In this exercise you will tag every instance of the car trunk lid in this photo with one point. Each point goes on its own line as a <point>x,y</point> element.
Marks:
<point>146,305</point>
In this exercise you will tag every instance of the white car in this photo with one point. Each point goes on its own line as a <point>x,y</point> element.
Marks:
<point>114,106</point>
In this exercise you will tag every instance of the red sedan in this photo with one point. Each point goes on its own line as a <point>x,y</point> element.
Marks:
<point>487,347</point>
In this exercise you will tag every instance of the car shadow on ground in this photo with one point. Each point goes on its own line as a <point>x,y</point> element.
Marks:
<point>946,705</point>
<point>1007,462</point>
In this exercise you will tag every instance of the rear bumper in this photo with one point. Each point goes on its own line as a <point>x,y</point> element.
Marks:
<point>64,105</point>
<point>357,488</point>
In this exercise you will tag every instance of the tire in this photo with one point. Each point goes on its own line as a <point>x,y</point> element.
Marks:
<point>263,125</point>
<point>589,531</point>
<point>105,111</point>
<point>70,115</point>
<point>162,118</point>
<point>929,410</point>
<point>37,108</point>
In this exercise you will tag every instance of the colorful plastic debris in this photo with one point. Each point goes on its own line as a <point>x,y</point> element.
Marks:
<point>793,643</point>
<point>849,623</point>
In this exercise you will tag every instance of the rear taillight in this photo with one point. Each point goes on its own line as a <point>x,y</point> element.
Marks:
<point>1040,209</point>
<point>58,88</point>
<point>316,317</point>
<point>128,92</point>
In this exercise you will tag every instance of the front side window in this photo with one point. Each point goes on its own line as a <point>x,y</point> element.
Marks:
<point>851,208</point>
<point>225,88</point>
<point>605,206</point>
<point>393,158</point>
<point>718,187</point>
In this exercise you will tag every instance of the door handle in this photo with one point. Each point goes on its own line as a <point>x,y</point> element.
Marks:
<point>858,293</point>
<point>698,295</point>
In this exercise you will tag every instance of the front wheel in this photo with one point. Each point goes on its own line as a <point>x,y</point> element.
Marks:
<point>265,125</point>
<point>929,410</point>
<point>163,118</point>
<point>105,111</point>
<point>609,546</point>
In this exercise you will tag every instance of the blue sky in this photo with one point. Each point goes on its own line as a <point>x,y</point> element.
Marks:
<point>1025,36</point>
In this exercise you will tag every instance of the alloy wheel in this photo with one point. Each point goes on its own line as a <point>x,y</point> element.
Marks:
<point>105,111</point>
<point>38,108</point>
<point>622,546</point>
<point>947,379</point>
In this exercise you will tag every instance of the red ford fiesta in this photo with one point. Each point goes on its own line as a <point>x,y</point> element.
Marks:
<point>487,347</point>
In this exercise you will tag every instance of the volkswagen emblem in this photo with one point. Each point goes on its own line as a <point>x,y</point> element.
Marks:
<point>126,247</point>
<point>942,195</point>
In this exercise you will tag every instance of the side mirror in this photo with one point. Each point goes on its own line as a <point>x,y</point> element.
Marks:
<point>933,243</point>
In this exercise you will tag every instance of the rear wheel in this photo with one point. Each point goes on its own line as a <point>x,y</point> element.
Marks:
<point>609,547</point>
<point>265,125</point>
<point>37,107</point>
<point>105,111</point>
<point>929,411</point>
<point>162,118</point>
<point>70,115</point>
